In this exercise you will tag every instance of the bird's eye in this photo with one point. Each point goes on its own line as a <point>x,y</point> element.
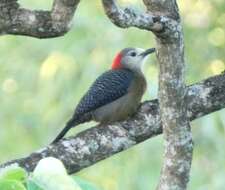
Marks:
<point>133,54</point>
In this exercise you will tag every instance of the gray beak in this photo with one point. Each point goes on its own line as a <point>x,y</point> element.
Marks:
<point>148,51</point>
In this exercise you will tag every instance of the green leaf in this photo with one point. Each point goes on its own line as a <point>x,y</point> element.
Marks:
<point>13,173</point>
<point>85,185</point>
<point>50,174</point>
<point>31,185</point>
<point>11,185</point>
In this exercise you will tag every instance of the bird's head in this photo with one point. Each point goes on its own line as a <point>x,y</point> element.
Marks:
<point>131,58</point>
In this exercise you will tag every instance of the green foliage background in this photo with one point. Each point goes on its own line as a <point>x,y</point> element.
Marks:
<point>41,81</point>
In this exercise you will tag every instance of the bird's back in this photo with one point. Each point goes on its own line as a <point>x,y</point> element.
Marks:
<point>115,92</point>
<point>108,87</point>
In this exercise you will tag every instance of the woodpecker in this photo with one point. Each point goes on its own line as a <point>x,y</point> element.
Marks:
<point>116,94</point>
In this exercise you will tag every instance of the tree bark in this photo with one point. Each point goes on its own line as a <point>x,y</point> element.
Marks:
<point>37,23</point>
<point>100,142</point>
<point>173,106</point>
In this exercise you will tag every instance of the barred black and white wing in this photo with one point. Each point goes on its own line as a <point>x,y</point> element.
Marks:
<point>108,87</point>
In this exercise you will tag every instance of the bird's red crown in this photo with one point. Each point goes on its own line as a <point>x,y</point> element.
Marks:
<point>117,61</point>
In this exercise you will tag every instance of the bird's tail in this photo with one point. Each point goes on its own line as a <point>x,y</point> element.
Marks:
<point>74,121</point>
<point>71,123</point>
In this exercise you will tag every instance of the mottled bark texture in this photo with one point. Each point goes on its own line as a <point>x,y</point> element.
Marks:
<point>100,142</point>
<point>173,107</point>
<point>36,23</point>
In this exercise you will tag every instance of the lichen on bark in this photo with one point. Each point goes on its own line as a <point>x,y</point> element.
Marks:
<point>100,142</point>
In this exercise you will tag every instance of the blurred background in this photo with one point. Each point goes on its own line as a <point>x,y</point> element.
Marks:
<point>41,81</point>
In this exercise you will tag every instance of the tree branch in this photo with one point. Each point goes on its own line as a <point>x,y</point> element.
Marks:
<point>98,143</point>
<point>37,23</point>
<point>173,107</point>
<point>128,17</point>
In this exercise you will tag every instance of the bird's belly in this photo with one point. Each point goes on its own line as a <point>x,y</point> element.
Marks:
<point>117,110</point>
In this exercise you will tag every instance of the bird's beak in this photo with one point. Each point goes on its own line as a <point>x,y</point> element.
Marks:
<point>148,51</point>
